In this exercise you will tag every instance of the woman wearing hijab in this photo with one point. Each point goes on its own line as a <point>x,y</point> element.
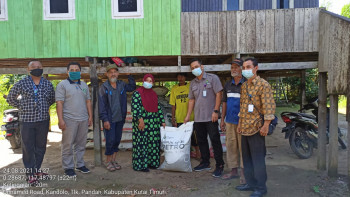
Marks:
<point>147,119</point>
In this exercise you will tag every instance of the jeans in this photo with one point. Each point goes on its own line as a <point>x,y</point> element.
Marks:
<point>113,137</point>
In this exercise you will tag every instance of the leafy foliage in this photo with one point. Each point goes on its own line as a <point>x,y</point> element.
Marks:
<point>345,11</point>
<point>292,86</point>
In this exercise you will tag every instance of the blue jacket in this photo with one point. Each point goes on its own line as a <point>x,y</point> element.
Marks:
<point>104,98</point>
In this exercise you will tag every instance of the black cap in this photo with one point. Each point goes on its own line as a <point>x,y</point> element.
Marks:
<point>237,61</point>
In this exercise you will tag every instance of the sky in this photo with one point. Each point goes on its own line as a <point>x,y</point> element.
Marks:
<point>336,5</point>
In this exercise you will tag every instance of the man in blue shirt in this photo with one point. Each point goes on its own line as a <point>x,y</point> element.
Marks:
<point>229,121</point>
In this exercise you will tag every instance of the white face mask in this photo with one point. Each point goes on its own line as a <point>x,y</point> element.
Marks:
<point>147,85</point>
<point>247,73</point>
<point>197,71</point>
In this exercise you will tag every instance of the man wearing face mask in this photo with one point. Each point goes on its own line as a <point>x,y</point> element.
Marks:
<point>33,96</point>
<point>205,98</point>
<point>112,111</point>
<point>74,112</point>
<point>229,121</point>
<point>256,99</point>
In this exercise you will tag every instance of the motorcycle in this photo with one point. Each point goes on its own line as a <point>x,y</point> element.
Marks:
<point>302,130</point>
<point>11,126</point>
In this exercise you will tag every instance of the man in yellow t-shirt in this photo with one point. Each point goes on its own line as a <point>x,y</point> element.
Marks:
<point>179,102</point>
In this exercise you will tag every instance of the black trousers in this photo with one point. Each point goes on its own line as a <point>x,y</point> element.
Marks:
<point>202,131</point>
<point>34,139</point>
<point>253,153</point>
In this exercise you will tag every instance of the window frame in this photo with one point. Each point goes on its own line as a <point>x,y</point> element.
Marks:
<point>4,10</point>
<point>126,15</point>
<point>61,16</point>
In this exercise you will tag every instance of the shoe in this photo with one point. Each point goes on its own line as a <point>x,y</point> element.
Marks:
<point>70,172</point>
<point>244,187</point>
<point>201,167</point>
<point>32,181</point>
<point>83,170</point>
<point>258,193</point>
<point>218,171</point>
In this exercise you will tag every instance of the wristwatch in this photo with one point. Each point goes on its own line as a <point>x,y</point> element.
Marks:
<point>216,111</point>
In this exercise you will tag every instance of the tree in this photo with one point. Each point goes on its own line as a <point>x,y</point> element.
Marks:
<point>345,11</point>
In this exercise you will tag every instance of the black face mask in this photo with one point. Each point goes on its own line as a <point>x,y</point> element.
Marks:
<point>36,72</point>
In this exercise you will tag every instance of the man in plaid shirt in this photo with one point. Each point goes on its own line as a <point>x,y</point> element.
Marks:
<point>33,96</point>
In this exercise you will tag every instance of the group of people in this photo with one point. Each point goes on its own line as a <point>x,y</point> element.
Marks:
<point>248,107</point>
<point>245,98</point>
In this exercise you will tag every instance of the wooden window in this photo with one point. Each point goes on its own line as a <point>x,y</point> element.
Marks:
<point>122,9</point>
<point>3,10</point>
<point>59,9</point>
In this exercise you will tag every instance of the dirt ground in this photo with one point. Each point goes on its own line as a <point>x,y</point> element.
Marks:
<point>287,175</point>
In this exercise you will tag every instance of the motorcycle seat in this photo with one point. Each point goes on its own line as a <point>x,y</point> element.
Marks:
<point>8,111</point>
<point>308,115</point>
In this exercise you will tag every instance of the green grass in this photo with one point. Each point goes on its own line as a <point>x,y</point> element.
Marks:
<point>342,104</point>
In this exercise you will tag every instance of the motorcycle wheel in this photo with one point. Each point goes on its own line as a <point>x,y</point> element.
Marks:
<point>15,140</point>
<point>342,143</point>
<point>300,144</point>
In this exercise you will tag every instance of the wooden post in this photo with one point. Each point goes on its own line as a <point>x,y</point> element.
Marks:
<point>322,121</point>
<point>333,137</point>
<point>348,119</point>
<point>96,120</point>
<point>303,89</point>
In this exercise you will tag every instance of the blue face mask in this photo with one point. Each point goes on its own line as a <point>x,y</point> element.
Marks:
<point>247,73</point>
<point>74,76</point>
<point>147,85</point>
<point>197,71</point>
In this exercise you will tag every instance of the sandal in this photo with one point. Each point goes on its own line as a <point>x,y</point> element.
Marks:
<point>116,165</point>
<point>229,176</point>
<point>110,167</point>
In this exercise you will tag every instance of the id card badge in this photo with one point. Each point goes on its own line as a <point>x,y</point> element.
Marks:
<point>250,108</point>
<point>204,93</point>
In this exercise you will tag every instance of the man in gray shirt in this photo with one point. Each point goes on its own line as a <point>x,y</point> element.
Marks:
<point>74,113</point>
<point>205,98</point>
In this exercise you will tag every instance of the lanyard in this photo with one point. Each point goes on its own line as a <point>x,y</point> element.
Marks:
<point>36,90</point>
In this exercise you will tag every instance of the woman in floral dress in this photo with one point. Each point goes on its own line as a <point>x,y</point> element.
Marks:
<point>147,120</point>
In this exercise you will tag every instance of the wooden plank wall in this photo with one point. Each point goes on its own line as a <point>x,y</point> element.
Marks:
<point>201,5</point>
<point>92,33</point>
<point>334,53</point>
<point>251,31</point>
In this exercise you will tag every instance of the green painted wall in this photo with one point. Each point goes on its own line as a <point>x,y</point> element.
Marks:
<point>92,33</point>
